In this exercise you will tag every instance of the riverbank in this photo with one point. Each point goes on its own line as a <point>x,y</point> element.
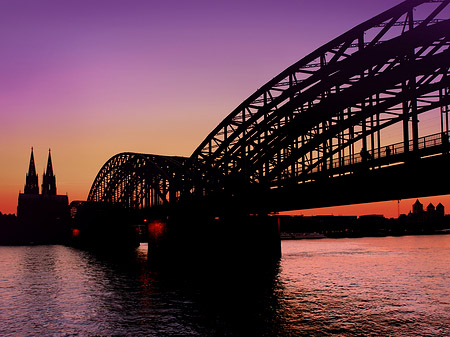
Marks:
<point>297,227</point>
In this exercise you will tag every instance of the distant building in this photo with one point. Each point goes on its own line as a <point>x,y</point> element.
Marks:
<point>431,211</point>
<point>417,207</point>
<point>44,217</point>
<point>9,231</point>
<point>440,210</point>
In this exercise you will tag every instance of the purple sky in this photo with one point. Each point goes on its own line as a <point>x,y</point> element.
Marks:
<point>90,79</point>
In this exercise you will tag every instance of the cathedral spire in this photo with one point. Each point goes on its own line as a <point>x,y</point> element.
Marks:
<point>49,180</point>
<point>31,182</point>
<point>32,167</point>
<point>49,164</point>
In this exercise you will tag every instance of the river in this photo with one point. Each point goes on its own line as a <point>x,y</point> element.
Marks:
<point>392,286</point>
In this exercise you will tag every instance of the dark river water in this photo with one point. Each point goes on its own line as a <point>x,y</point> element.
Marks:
<point>394,286</point>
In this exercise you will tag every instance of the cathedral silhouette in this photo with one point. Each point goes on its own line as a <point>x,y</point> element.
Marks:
<point>43,218</point>
<point>49,180</point>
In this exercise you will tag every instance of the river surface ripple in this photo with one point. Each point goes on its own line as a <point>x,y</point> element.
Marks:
<point>394,286</point>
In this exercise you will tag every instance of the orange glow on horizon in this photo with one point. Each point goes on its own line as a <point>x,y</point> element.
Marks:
<point>390,209</point>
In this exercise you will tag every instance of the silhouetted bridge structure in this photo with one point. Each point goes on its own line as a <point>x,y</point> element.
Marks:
<point>362,118</point>
<point>349,111</point>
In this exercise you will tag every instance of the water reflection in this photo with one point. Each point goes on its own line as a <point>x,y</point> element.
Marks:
<point>207,300</point>
<point>351,287</point>
<point>368,286</point>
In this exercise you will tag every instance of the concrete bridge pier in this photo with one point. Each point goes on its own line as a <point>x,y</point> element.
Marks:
<point>214,242</point>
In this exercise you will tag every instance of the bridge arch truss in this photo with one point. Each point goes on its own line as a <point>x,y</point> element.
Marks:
<point>321,112</point>
<point>138,181</point>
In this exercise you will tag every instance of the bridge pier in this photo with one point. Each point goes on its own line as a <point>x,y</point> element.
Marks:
<point>198,241</point>
<point>103,227</point>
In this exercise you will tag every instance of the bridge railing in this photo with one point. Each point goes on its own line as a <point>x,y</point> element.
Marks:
<point>386,151</point>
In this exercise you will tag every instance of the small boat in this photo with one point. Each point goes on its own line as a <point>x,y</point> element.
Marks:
<point>442,231</point>
<point>300,236</point>
<point>286,236</point>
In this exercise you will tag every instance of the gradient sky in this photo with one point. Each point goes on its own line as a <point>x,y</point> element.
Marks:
<point>92,78</point>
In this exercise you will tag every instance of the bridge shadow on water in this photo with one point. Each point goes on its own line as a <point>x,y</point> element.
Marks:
<point>204,299</point>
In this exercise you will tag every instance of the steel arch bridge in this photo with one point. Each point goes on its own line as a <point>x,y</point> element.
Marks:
<point>135,180</point>
<point>354,102</point>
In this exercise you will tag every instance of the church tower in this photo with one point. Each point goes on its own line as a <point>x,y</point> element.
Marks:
<point>31,183</point>
<point>42,218</point>
<point>48,179</point>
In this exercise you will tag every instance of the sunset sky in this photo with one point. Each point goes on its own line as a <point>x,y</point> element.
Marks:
<point>91,78</point>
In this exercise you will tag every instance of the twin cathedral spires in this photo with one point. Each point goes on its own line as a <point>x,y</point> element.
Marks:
<point>48,180</point>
